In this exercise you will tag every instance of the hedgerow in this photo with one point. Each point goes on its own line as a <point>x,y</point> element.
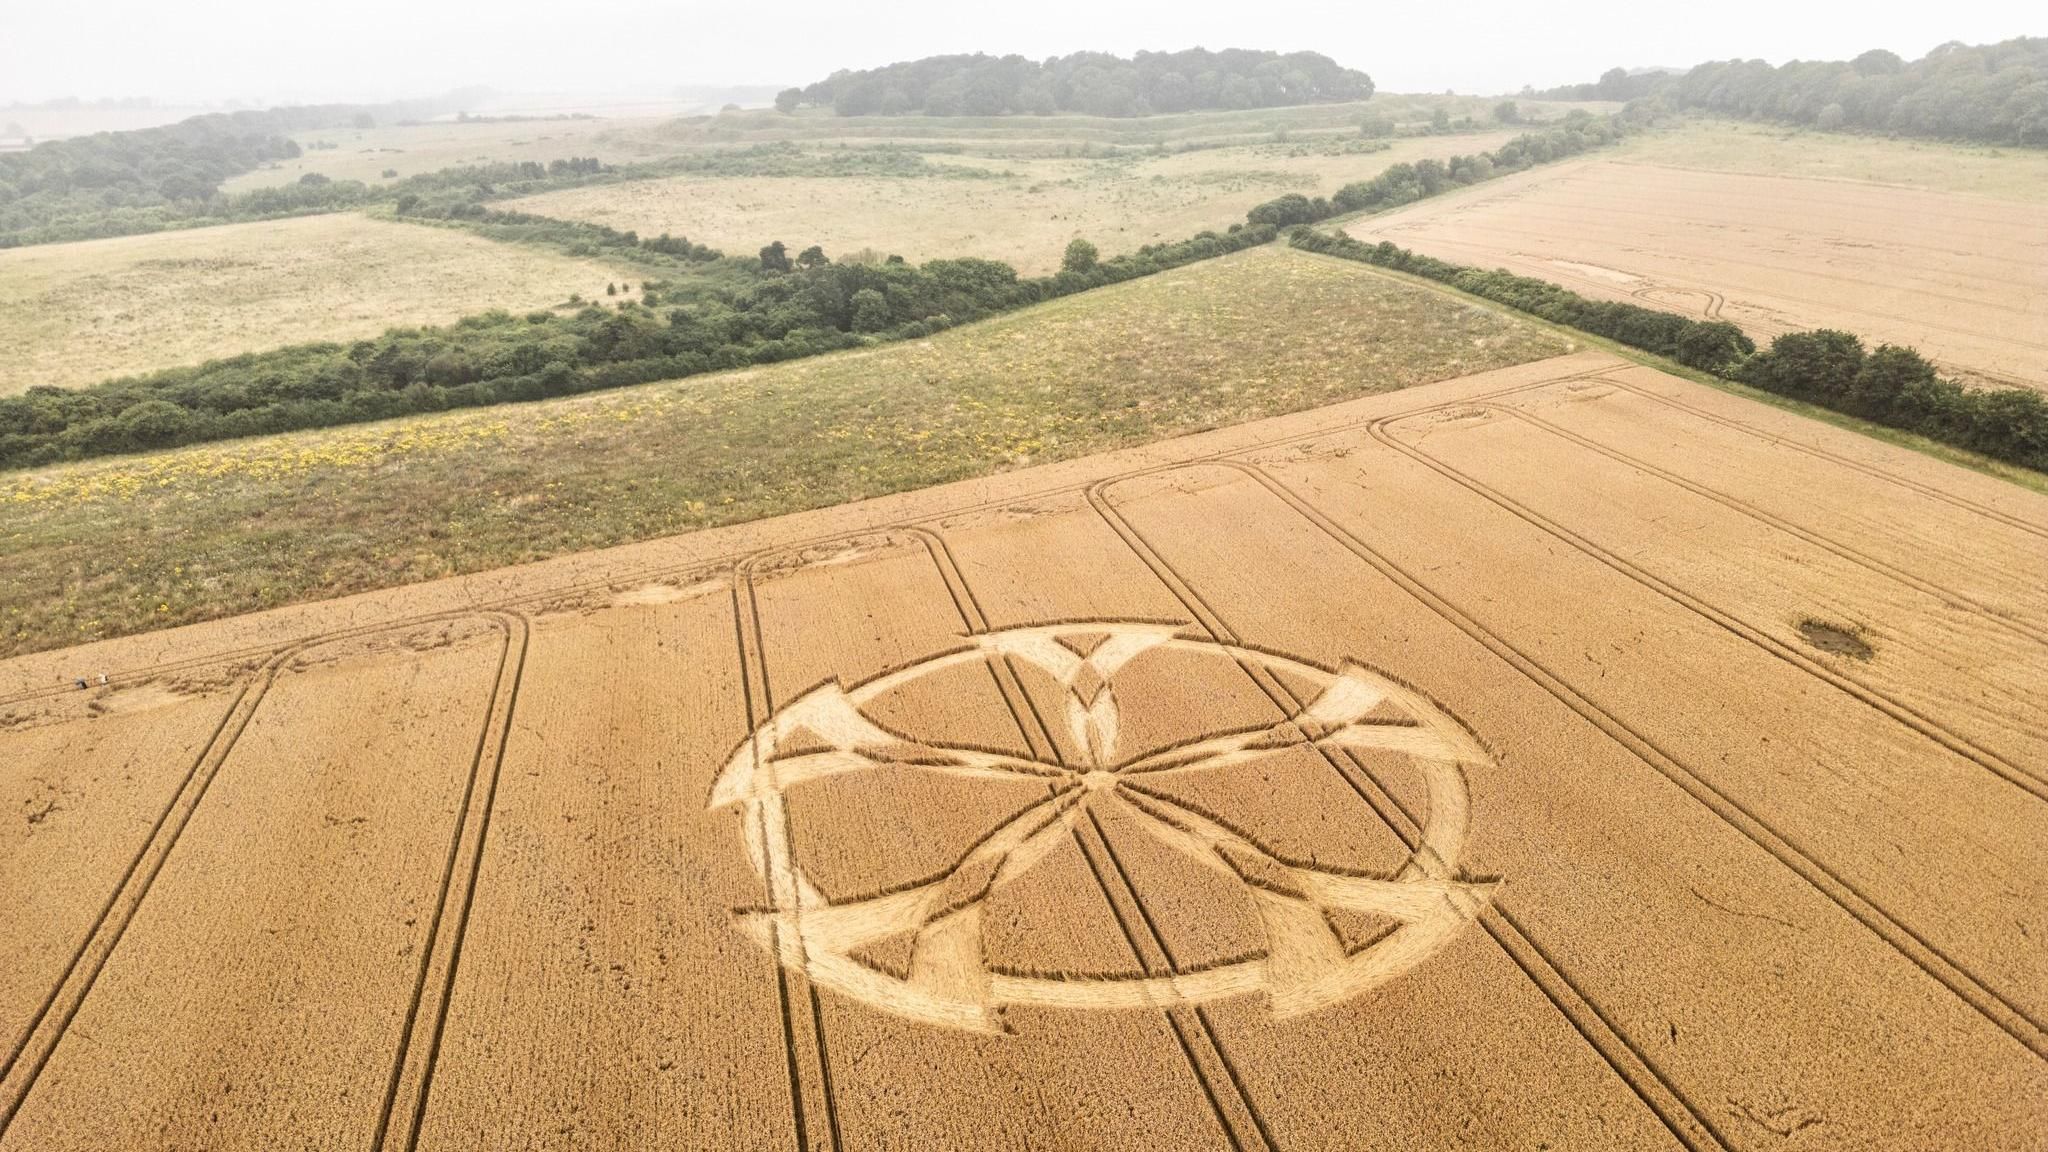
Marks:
<point>729,313</point>
<point>1891,385</point>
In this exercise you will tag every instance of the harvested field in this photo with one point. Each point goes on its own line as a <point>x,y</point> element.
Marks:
<point>1024,218</point>
<point>1451,767</point>
<point>1962,278</point>
<point>76,314</point>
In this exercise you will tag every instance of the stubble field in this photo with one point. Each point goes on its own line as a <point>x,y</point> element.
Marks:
<point>1567,755</point>
<point>76,314</point>
<point>1961,277</point>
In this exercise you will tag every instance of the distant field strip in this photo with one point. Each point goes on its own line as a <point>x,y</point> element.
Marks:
<point>367,153</point>
<point>1024,220</point>
<point>76,314</point>
<point>1962,278</point>
<point>1778,150</point>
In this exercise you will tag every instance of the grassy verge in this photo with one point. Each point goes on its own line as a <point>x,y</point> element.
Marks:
<point>124,545</point>
<point>2024,477</point>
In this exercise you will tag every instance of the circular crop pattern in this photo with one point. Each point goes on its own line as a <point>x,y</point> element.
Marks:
<point>828,732</point>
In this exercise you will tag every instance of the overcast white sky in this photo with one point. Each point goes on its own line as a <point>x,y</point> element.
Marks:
<point>278,50</point>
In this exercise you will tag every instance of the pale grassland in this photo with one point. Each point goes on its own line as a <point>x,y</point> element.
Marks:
<point>1776,150</point>
<point>124,545</point>
<point>74,314</point>
<point>1024,218</point>
<point>1028,134</point>
<point>367,153</point>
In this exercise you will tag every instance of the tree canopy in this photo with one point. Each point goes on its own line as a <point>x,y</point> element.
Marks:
<point>1995,93</point>
<point>1095,83</point>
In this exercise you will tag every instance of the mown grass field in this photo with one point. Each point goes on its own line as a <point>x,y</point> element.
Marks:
<point>1024,215</point>
<point>75,314</point>
<point>120,546</point>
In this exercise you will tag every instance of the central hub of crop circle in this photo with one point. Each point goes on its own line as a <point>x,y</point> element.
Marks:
<point>1098,781</point>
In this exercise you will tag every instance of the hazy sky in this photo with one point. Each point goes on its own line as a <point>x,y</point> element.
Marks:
<point>376,49</point>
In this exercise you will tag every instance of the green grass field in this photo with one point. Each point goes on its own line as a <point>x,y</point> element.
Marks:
<point>119,546</point>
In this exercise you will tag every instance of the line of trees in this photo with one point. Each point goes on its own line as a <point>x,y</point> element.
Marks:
<point>1095,83</point>
<point>1891,385</point>
<point>1993,93</point>
<point>736,312</point>
<point>1614,84</point>
<point>1405,183</point>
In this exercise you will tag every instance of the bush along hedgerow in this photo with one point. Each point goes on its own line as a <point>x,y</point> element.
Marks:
<point>1890,385</point>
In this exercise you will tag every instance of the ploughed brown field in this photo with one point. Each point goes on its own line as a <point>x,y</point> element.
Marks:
<point>1567,756</point>
<point>1963,278</point>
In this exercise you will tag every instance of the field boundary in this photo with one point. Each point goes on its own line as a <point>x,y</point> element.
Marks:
<point>2012,471</point>
<point>720,563</point>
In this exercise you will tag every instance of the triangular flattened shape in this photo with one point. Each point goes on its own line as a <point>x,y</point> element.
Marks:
<point>802,742</point>
<point>1260,871</point>
<point>1388,712</point>
<point>1087,682</point>
<point>1082,644</point>
<point>1357,930</point>
<point>889,955</point>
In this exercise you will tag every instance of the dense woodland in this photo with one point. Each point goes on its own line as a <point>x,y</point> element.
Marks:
<point>1993,93</point>
<point>1094,83</point>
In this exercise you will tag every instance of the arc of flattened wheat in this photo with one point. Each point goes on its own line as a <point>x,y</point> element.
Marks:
<point>949,984</point>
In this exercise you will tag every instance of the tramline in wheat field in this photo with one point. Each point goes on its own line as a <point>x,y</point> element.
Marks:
<point>1080,806</point>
